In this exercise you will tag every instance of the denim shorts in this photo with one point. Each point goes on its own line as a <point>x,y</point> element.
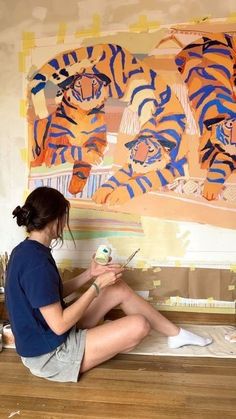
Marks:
<point>63,363</point>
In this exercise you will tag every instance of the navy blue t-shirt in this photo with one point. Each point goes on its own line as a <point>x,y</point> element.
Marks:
<point>33,281</point>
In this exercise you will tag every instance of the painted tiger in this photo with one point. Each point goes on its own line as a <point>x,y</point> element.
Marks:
<point>127,79</point>
<point>156,159</point>
<point>76,131</point>
<point>207,66</point>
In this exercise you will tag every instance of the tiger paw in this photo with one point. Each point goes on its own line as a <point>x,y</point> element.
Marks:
<point>76,185</point>
<point>119,196</point>
<point>211,191</point>
<point>91,157</point>
<point>101,194</point>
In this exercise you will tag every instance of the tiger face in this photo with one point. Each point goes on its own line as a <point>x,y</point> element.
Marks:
<point>224,133</point>
<point>147,154</point>
<point>88,91</point>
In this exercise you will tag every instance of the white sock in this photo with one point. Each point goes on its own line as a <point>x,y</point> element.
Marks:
<point>187,338</point>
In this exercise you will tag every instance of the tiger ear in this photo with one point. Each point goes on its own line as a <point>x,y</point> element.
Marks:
<point>104,78</point>
<point>130,144</point>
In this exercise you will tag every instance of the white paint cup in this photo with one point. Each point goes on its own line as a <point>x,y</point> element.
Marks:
<point>8,338</point>
<point>103,254</point>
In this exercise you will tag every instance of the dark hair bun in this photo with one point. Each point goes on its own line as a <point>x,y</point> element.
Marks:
<point>23,215</point>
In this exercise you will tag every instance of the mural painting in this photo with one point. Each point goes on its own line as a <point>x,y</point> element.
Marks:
<point>69,97</point>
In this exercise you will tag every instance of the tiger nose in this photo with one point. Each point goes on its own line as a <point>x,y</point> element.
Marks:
<point>141,153</point>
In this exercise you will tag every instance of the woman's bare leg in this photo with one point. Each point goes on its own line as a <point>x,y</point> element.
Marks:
<point>105,341</point>
<point>131,303</point>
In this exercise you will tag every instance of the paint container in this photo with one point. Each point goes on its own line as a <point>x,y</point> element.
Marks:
<point>7,337</point>
<point>102,255</point>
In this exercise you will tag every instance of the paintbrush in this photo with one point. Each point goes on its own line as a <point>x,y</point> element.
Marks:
<point>130,258</point>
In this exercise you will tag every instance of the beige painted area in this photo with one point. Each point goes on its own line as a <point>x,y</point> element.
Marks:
<point>160,241</point>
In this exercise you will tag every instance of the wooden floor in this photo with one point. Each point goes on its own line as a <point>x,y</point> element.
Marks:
<point>128,386</point>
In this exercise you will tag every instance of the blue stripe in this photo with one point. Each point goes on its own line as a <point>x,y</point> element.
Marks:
<point>102,128</point>
<point>139,182</point>
<point>129,173</point>
<point>220,180</point>
<point>54,63</point>
<point>143,103</point>
<point>73,53</point>
<point>63,160</point>
<point>161,177</point>
<point>220,171</point>
<point>39,76</point>
<point>150,86</point>
<point>106,185</point>
<point>37,88</point>
<point>89,51</point>
<point>220,51</point>
<point>54,158</point>
<point>222,68</point>
<point>113,179</point>
<point>130,191</point>
<point>66,59</point>
<point>149,183</point>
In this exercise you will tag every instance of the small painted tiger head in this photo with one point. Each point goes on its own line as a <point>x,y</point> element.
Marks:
<point>224,134</point>
<point>88,90</point>
<point>146,154</point>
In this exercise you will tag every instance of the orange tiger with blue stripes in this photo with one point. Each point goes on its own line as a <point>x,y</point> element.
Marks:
<point>73,133</point>
<point>155,161</point>
<point>124,77</point>
<point>208,68</point>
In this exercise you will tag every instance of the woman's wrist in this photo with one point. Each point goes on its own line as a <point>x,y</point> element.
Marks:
<point>96,287</point>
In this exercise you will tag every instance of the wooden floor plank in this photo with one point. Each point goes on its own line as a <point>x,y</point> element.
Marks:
<point>128,386</point>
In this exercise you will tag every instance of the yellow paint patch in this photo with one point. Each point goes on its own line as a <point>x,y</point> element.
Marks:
<point>140,264</point>
<point>232,17</point>
<point>144,25</point>
<point>93,31</point>
<point>28,40</point>
<point>157,269</point>
<point>22,61</point>
<point>192,268</point>
<point>61,33</point>
<point>23,108</point>
<point>177,263</point>
<point>157,283</point>
<point>231,287</point>
<point>65,264</point>
<point>233,268</point>
<point>24,154</point>
<point>25,194</point>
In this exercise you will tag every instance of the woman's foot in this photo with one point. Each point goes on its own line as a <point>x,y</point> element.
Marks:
<point>187,338</point>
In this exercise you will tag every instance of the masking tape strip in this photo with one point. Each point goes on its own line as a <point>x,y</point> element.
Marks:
<point>144,25</point>
<point>233,268</point>
<point>157,269</point>
<point>22,61</point>
<point>28,40</point>
<point>23,108</point>
<point>61,33</point>
<point>24,154</point>
<point>157,283</point>
<point>94,30</point>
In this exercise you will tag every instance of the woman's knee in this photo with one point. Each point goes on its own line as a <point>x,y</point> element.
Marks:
<point>139,326</point>
<point>122,289</point>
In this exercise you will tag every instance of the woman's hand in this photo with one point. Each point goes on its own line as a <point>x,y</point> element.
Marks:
<point>96,269</point>
<point>109,278</point>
